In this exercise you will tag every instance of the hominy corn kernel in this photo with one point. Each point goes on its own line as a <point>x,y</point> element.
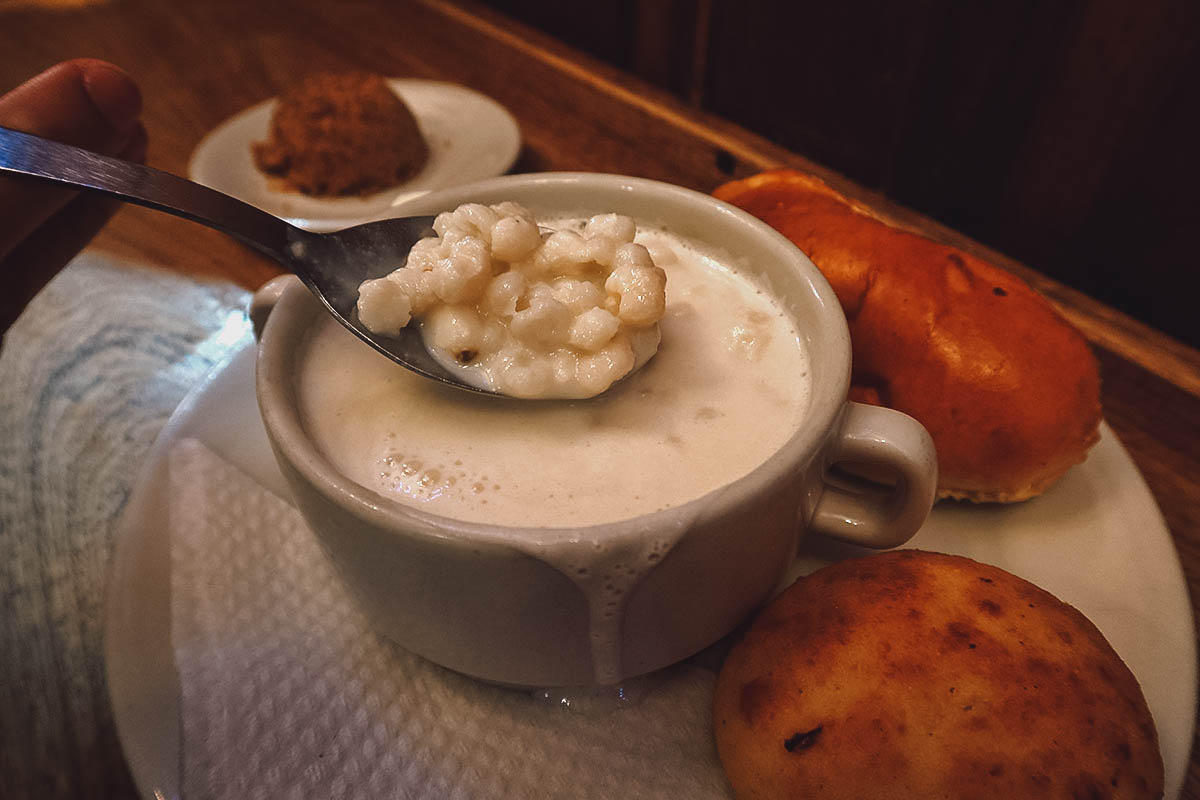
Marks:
<point>522,310</point>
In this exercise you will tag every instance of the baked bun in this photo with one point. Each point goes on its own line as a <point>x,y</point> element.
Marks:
<point>1008,389</point>
<point>918,675</point>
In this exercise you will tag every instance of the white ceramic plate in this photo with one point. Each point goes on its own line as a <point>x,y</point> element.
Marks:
<point>470,137</point>
<point>1096,540</point>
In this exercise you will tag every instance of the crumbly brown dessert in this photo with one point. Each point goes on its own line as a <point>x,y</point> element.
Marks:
<point>918,675</point>
<point>338,134</point>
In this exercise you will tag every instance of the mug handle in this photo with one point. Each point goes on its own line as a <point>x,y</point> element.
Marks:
<point>878,478</point>
<point>264,301</point>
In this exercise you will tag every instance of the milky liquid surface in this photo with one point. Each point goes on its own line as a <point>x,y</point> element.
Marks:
<point>727,388</point>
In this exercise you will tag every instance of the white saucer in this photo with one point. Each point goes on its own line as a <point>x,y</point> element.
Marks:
<point>1096,540</point>
<point>470,137</point>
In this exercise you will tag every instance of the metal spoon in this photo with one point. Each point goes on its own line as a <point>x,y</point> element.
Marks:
<point>332,265</point>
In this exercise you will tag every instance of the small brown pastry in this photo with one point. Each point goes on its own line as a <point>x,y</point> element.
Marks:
<point>341,134</point>
<point>1008,389</point>
<point>919,675</point>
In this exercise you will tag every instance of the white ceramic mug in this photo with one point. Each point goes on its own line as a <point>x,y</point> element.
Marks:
<point>489,602</point>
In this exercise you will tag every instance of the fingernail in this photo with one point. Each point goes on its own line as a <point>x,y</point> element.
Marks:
<point>114,94</point>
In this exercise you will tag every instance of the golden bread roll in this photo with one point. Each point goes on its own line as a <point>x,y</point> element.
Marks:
<point>919,675</point>
<point>1008,389</point>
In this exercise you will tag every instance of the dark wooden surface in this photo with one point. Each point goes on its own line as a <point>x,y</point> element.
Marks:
<point>1060,133</point>
<point>202,61</point>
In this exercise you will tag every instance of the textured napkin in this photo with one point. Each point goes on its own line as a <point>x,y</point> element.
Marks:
<point>286,693</point>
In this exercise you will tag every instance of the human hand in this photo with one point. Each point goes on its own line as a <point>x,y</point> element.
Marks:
<point>84,102</point>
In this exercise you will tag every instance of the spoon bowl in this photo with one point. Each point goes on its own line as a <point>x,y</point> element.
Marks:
<point>331,265</point>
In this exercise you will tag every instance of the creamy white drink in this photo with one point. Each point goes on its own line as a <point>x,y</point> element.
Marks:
<point>517,540</point>
<point>728,386</point>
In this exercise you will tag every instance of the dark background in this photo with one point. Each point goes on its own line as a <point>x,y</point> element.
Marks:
<point>1063,133</point>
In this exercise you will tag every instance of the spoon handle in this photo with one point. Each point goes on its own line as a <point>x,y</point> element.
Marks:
<point>35,157</point>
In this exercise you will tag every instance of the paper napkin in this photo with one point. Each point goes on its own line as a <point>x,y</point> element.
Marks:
<point>287,693</point>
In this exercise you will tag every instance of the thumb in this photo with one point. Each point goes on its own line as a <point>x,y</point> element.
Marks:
<point>85,102</point>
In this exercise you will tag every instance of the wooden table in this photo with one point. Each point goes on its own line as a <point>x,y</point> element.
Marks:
<point>200,62</point>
